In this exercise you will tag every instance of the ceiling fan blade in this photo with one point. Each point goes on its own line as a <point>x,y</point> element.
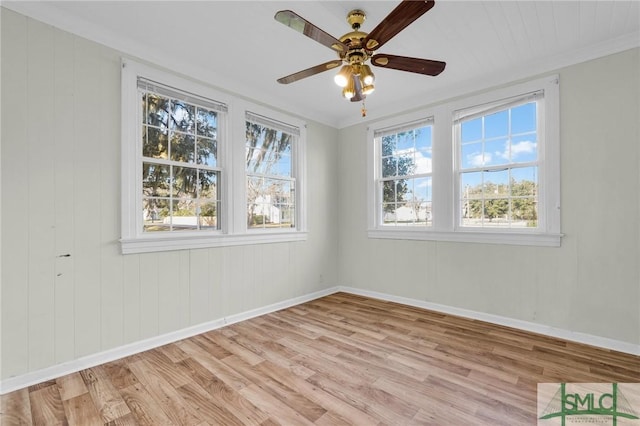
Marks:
<point>404,63</point>
<point>298,23</point>
<point>310,71</point>
<point>399,18</point>
<point>359,95</point>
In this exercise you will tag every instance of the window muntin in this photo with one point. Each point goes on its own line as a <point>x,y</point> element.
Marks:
<point>498,173</point>
<point>180,177</point>
<point>405,168</point>
<point>270,175</point>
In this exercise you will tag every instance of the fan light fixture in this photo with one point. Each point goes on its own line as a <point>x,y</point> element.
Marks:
<point>342,78</point>
<point>345,78</point>
<point>350,89</point>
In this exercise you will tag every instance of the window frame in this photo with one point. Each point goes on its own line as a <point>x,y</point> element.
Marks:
<point>231,136</point>
<point>445,207</point>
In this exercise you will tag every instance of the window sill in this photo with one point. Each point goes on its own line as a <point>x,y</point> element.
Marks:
<point>156,243</point>
<point>487,237</point>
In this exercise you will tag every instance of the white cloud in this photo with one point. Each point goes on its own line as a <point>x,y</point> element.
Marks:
<point>477,159</point>
<point>523,147</point>
<point>423,164</point>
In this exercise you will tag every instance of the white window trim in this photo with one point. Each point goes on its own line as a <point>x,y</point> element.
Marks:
<point>445,191</point>
<point>231,154</point>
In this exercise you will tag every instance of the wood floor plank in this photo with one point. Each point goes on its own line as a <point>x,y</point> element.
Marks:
<point>16,408</point>
<point>143,406</point>
<point>46,406</point>
<point>202,402</point>
<point>270,404</point>
<point>71,385</point>
<point>80,410</point>
<point>276,389</point>
<point>108,400</point>
<point>340,359</point>
<point>246,412</point>
<point>167,398</point>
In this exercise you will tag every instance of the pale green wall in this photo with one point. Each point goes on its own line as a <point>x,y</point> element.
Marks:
<point>61,194</point>
<point>590,284</point>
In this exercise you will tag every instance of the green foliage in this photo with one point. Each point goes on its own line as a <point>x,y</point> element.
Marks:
<point>259,219</point>
<point>492,201</point>
<point>180,132</point>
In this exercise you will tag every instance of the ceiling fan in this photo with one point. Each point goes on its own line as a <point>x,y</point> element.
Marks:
<point>356,48</point>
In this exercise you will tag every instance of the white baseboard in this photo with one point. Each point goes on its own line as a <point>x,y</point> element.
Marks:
<point>574,336</point>
<point>49,373</point>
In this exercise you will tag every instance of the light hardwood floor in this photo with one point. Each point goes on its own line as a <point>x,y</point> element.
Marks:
<point>342,359</point>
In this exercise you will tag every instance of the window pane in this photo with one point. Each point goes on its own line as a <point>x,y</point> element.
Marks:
<point>423,162</point>
<point>420,189</point>
<point>155,180</point>
<point>525,213</point>
<point>184,215</point>
<point>523,118</point>
<point>389,191</point>
<point>471,185</point>
<point>496,125</point>
<point>268,151</point>
<point>156,215</point>
<point>154,142</point>
<point>496,152</point>
<point>404,142</point>
<point>471,130</point>
<point>207,124</point>
<point>388,145</point>
<point>208,217</point>
<point>184,182</point>
<point>423,138</point>
<point>389,167</point>
<point>270,202</point>
<point>496,211</point>
<point>524,182</point>
<point>524,148</point>
<point>472,155</point>
<point>182,147</point>
<point>183,117</point>
<point>496,183</point>
<point>389,213</point>
<point>207,151</point>
<point>406,165</point>
<point>157,112</point>
<point>208,181</point>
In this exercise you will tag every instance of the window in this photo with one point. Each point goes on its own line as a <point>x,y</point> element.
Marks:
<point>404,177</point>
<point>200,170</point>
<point>271,182</point>
<point>481,169</point>
<point>498,162</point>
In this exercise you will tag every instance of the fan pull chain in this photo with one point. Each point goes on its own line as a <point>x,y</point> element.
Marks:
<point>363,110</point>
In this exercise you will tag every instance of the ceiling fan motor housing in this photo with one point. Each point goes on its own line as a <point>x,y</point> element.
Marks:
<point>357,53</point>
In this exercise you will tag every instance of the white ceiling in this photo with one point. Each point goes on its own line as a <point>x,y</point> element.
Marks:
<point>238,46</point>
